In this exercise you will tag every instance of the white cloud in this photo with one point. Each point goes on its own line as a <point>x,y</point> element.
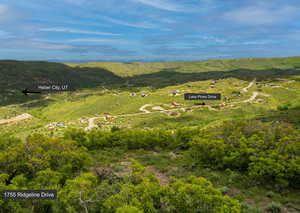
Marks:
<point>163,5</point>
<point>69,30</point>
<point>293,36</point>
<point>7,14</point>
<point>51,46</point>
<point>260,15</point>
<point>145,25</point>
<point>259,42</point>
<point>76,2</point>
<point>212,38</point>
<point>96,40</point>
<point>207,38</point>
<point>4,34</point>
<point>32,44</point>
<point>4,10</point>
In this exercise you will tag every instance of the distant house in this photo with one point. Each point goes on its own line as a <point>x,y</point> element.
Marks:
<point>174,93</point>
<point>260,101</point>
<point>188,109</point>
<point>175,104</point>
<point>174,113</point>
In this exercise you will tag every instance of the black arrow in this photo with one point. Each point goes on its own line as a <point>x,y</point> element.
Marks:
<point>26,92</point>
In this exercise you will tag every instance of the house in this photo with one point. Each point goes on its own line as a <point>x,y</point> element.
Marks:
<point>174,114</point>
<point>175,92</point>
<point>174,104</point>
<point>60,125</point>
<point>188,109</point>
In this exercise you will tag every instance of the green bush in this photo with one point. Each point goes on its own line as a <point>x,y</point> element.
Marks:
<point>246,208</point>
<point>262,151</point>
<point>187,195</point>
<point>283,108</point>
<point>115,128</point>
<point>270,194</point>
<point>224,189</point>
<point>129,139</point>
<point>128,209</point>
<point>274,207</point>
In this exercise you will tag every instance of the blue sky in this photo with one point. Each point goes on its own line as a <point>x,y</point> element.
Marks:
<point>121,30</point>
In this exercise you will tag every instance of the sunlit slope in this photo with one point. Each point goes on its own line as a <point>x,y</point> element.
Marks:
<point>137,68</point>
<point>117,88</point>
<point>73,108</point>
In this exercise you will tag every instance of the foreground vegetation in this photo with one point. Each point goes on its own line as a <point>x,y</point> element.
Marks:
<point>86,169</point>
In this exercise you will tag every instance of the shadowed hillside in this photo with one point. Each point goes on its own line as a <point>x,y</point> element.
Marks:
<point>169,77</point>
<point>16,76</point>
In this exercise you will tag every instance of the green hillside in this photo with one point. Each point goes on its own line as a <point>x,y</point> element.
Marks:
<point>108,88</point>
<point>127,137</point>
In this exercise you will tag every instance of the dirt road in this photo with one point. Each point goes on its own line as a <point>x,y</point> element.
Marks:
<point>249,86</point>
<point>252,98</point>
<point>143,108</point>
<point>91,123</point>
<point>16,119</point>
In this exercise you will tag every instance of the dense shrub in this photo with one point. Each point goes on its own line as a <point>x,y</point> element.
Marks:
<point>129,139</point>
<point>63,164</point>
<point>187,195</point>
<point>246,208</point>
<point>39,163</point>
<point>265,152</point>
<point>38,153</point>
<point>283,108</point>
<point>274,207</point>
